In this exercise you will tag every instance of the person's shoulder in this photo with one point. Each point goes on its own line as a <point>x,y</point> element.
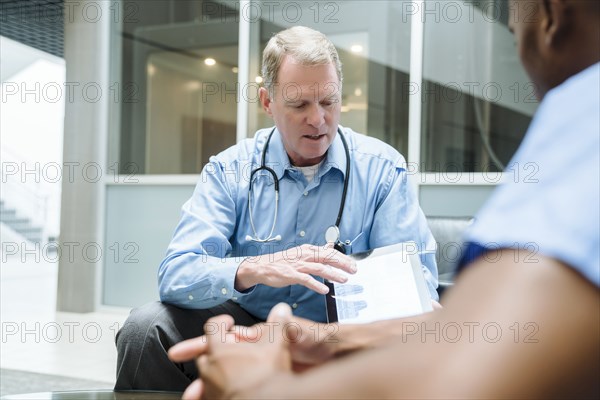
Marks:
<point>367,147</point>
<point>574,99</point>
<point>568,111</point>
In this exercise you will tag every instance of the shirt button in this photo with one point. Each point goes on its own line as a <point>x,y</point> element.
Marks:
<point>302,233</point>
<point>190,297</point>
<point>224,291</point>
<point>295,305</point>
<point>306,193</point>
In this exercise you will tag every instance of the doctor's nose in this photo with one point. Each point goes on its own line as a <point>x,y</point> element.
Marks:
<point>316,116</point>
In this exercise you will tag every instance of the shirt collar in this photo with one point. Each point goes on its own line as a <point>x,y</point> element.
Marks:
<point>278,160</point>
<point>277,157</point>
<point>336,155</point>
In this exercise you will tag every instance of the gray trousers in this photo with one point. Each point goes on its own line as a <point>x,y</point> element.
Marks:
<point>147,335</point>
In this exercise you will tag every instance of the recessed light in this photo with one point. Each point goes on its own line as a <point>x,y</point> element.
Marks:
<point>356,48</point>
<point>210,61</point>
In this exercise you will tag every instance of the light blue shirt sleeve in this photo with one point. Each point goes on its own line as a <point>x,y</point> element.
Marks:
<point>198,271</point>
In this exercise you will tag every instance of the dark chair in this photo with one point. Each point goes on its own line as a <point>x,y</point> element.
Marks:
<point>448,234</point>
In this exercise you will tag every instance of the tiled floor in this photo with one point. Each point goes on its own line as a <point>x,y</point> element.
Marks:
<point>14,382</point>
<point>36,338</point>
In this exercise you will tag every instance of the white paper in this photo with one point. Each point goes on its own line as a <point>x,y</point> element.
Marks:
<point>387,285</point>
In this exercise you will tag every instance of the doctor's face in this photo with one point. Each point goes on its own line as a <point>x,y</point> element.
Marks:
<point>305,107</point>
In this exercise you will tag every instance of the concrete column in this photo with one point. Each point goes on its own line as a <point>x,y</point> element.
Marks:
<point>87,37</point>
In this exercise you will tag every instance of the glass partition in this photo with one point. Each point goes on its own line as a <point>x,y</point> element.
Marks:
<point>477,99</point>
<point>177,74</point>
<point>175,67</point>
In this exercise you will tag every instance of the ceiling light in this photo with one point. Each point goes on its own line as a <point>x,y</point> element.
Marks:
<point>210,61</point>
<point>356,48</point>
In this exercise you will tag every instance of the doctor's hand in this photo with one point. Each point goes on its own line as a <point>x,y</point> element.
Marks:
<point>230,368</point>
<point>295,267</point>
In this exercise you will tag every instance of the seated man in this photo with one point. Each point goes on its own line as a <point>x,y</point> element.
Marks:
<point>253,233</point>
<point>523,320</point>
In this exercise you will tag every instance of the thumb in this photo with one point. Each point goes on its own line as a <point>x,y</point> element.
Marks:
<point>279,321</point>
<point>280,318</point>
<point>281,313</point>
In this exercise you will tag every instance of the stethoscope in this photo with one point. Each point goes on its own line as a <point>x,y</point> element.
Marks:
<point>332,234</point>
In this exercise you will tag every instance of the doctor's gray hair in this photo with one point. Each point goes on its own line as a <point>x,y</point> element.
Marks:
<point>306,46</point>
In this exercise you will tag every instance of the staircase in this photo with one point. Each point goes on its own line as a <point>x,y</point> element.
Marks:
<point>23,197</point>
<point>20,224</point>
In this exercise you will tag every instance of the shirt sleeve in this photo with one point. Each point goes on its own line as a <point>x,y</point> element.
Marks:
<point>197,271</point>
<point>399,218</point>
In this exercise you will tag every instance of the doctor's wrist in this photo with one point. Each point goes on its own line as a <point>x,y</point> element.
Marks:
<point>244,277</point>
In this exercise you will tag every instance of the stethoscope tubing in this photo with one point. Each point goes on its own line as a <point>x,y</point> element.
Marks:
<point>338,244</point>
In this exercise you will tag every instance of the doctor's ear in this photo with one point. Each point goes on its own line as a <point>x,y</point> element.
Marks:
<point>265,100</point>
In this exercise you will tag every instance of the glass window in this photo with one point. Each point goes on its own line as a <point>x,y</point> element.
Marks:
<point>477,99</point>
<point>177,73</point>
<point>175,65</point>
<point>373,40</point>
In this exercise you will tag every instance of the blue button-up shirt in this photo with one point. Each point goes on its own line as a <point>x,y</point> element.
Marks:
<point>549,202</point>
<point>211,239</point>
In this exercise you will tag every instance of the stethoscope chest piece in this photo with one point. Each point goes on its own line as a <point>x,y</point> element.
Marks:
<point>332,235</point>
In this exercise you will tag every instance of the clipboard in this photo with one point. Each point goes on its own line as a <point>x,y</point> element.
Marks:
<point>389,284</point>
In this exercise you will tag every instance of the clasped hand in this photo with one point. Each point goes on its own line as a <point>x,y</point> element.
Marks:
<point>231,366</point>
